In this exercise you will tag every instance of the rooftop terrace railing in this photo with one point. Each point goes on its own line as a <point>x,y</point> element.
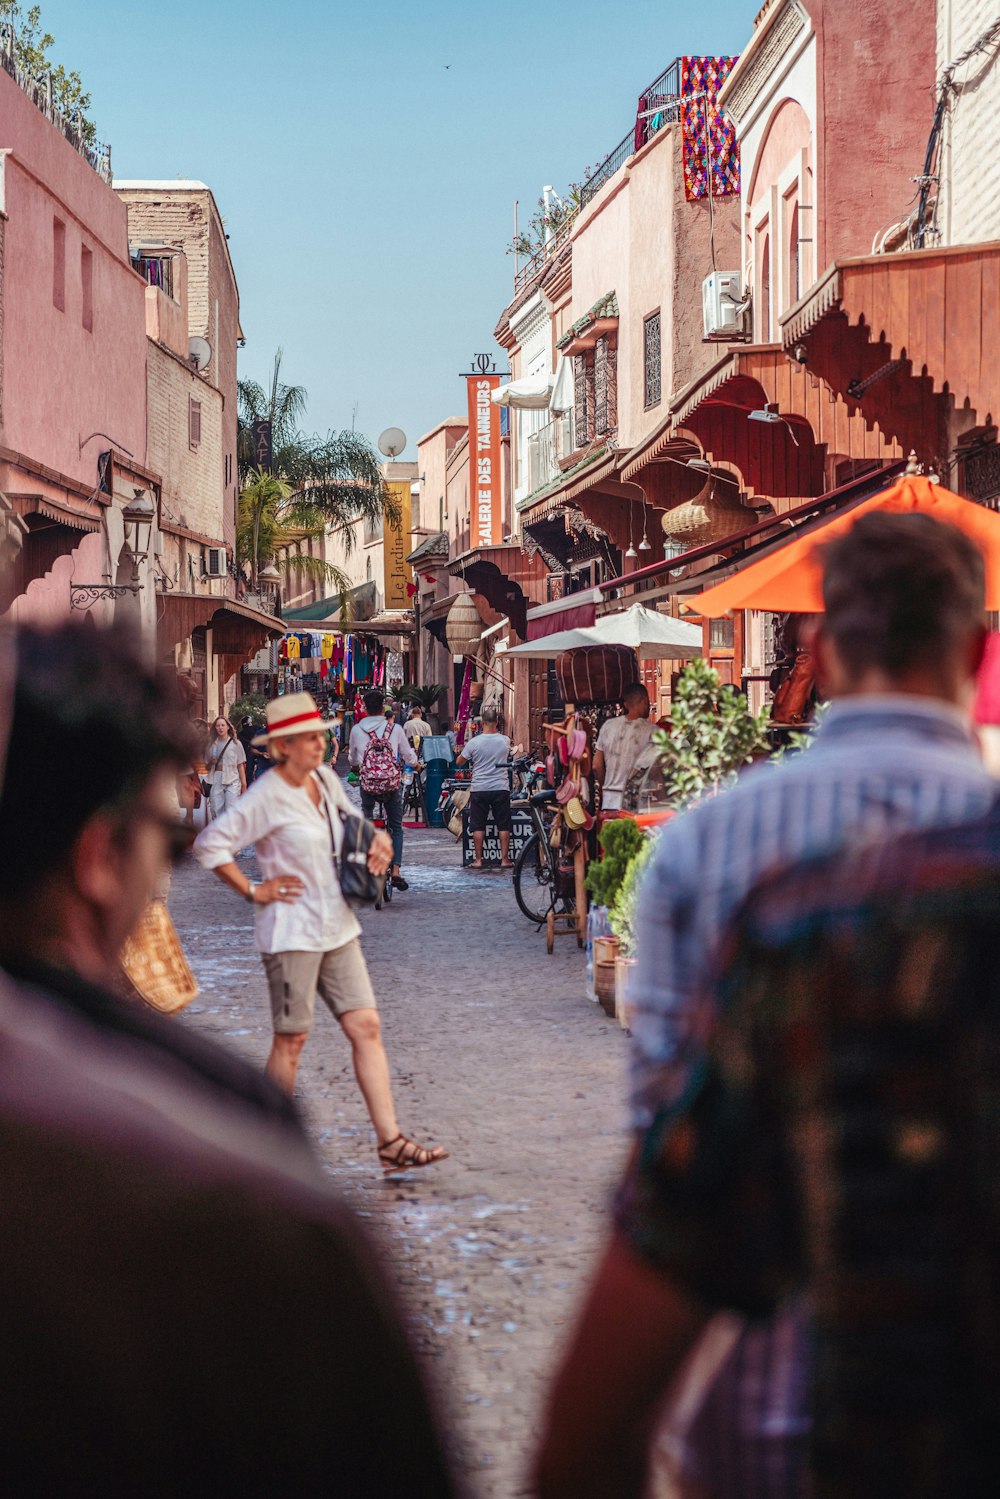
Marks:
<point>40,92</point>
<point>659,104</point>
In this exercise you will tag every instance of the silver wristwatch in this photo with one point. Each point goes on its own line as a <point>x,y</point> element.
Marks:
<point>252,885</point>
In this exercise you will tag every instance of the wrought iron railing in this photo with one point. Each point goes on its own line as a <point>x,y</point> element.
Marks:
<point>526,273</point>
<point>607,169</point>
<point>659,104</point>
<point>40,92</point>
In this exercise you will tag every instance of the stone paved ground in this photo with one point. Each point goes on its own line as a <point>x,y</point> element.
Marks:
<point>498,1055</point>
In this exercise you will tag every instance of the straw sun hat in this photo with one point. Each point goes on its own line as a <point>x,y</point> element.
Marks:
<point>295,713</point>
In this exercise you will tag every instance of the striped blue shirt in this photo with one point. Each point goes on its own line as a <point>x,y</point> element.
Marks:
<point>877,765</point>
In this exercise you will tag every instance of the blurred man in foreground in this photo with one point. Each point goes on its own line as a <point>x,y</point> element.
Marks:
<point>897,648</point>
<point>186,1311</point>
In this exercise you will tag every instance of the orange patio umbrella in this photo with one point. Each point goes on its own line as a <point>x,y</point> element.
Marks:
<point>790,580</point>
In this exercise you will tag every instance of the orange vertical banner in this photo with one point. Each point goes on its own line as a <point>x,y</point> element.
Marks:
<point>485,496</point>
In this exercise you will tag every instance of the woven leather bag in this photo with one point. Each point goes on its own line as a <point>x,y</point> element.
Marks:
<point>596,673</point>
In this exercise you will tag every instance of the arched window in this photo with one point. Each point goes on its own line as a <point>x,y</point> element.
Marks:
<point>368,570</point>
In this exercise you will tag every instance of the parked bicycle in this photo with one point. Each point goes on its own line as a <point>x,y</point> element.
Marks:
<point>543,883</point>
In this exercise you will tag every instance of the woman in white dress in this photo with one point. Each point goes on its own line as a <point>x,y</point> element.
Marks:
<point>227,767</point>
<point>307,935</point>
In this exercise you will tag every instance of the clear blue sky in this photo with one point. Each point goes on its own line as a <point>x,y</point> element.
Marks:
<point>367,189</point>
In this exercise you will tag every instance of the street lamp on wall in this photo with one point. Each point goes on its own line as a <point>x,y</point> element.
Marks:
<point>137,520</point>
<point>138,517</point>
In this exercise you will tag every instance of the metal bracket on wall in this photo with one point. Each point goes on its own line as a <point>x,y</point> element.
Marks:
<point>85,595</point>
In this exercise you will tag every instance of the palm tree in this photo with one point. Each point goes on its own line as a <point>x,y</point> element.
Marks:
<point>272,519</point>
<point>337,478</point>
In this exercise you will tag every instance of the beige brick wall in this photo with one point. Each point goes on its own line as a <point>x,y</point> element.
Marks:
<point>189,217</point>
<point>969,210</point>
<point>192,492</point>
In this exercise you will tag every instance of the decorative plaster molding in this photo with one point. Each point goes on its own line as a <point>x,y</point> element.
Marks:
<point>744,88</point>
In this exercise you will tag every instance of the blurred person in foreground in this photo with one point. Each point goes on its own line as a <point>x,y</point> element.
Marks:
<point>897,649</point>
<point>186,1310</point>
<point>840,1145</point>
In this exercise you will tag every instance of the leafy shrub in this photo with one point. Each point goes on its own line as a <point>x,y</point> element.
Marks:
<point>619,841</point>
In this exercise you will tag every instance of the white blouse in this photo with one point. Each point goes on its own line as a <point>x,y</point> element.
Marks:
<point>291,837</point>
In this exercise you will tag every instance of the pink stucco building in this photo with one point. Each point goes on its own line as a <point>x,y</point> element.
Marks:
<point>72,365</point>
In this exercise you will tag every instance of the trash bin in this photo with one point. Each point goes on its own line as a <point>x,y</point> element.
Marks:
<point>435,751</point>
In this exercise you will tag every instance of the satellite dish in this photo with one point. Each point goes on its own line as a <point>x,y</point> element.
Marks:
<point>200,353</point>
<point>392,442</point>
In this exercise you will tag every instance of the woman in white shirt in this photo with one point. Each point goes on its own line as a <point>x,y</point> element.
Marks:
<point>306,933</point>
<point>227,767</point>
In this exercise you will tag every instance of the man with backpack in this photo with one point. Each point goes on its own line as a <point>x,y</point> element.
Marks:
<point>376,748</point>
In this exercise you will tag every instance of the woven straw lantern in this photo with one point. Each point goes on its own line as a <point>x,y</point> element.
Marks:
<point>464,627</point>
<point>704,518</point>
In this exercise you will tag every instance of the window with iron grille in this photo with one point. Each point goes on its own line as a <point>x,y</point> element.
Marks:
<point>651,358</point>
<point>601,405</point>
<point>194,423</point>
<point>580,426</point>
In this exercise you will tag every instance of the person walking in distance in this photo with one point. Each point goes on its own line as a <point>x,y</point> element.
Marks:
<point>416,726</point>
<point>307,935</point>
<point>376,748</point>
<point>227,767</point>
<point>620,745</point>
<point>489,795</point>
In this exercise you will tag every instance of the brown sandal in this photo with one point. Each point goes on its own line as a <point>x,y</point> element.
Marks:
<point>409,1156</point>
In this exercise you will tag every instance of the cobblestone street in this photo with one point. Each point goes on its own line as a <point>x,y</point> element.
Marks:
<point>496,1054</point>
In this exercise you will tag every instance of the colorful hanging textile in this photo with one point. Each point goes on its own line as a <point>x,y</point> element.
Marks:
<point>464,703</point>
<point>707,131</point>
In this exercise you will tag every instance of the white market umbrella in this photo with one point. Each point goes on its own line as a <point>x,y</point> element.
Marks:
<point>654,636</point>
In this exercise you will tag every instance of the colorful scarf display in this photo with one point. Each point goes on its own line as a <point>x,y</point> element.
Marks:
<point>707,131</point>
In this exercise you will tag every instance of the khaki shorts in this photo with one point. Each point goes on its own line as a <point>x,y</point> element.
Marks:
<point>340,978</point>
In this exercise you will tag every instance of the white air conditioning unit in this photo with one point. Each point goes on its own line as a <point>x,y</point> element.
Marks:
<point>723,306</point>
<point>215,562</point>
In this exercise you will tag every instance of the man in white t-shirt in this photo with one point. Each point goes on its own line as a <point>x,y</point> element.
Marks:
<point>620,745</point>
<point>489,794</point>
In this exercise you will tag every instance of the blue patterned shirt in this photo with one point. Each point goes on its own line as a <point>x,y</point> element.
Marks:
<point>877,766</point>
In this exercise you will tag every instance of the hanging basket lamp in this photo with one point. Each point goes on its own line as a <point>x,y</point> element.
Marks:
<point>464,627</point>
<point>704,518</point>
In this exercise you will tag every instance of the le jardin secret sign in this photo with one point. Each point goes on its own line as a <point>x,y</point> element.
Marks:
<point>485,501</point>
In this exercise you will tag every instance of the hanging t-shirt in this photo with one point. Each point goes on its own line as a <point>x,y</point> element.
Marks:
<point>292,648</point>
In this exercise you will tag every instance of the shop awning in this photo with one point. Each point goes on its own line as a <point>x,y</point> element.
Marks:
<point>652,635</point>
<point>237,629</point>
<point>361,603</point>
<point>77,515</point>
<point>931,308</point>
<point>508,579</point>
<point>789,579</point>
<point>530,393</point>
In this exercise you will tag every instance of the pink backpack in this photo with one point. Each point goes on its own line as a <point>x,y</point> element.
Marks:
<point>380,773</point>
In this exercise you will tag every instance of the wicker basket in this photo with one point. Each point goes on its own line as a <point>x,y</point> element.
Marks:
<point>154,964</point>
<point>705,518</point>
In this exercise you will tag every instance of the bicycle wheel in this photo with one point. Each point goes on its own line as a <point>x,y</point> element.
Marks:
<point>533,881</point>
